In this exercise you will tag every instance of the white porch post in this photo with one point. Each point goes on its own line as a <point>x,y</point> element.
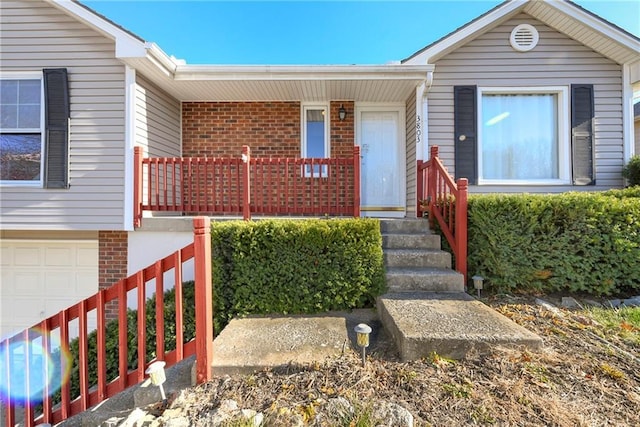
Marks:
<point>422,118</point>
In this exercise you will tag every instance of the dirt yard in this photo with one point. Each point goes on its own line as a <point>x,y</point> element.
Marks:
<point>588,374</point>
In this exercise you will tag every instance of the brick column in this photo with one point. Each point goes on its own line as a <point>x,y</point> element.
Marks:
<point>112,263</point>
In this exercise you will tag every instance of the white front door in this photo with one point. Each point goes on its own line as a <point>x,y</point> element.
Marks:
<point>383,177</point>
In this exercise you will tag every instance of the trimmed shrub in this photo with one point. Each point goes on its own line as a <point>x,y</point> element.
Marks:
<point>631,171</point>
<point>295,266</point>
<point>588,242</point>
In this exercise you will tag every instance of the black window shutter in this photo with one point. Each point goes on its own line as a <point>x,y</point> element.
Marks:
<point>582,146</point>
<point>56,113</point>
<point>465,131</point>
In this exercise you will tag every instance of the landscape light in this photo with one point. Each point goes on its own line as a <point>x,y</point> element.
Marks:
<point>362,338</point>
<point>477,283</point>
<point>157,375</point>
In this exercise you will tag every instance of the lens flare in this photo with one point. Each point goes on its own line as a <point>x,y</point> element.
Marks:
<point>28,371</point>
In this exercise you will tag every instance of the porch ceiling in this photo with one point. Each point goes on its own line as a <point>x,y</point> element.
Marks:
<point>360,83</point>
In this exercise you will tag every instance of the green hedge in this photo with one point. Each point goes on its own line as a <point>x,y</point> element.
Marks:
<point>587,242</point>
<point>631,171</point>
<point>295,266</point>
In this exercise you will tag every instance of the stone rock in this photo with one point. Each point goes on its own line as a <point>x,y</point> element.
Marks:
<point>134,417</point>
<point>146,420</point>
<point>336,411</point>
<point>570,302</point>
<point>180,399</point>
<point>229,411</point>
<point>592,303</point>
<point>632,302</point>
<point>393,415</point>
<point>615,303</point>
<point>549,307</point>
<point>179,421</point>
<point>224,412</point>
<point>256,418</point>
<point>172,413</point>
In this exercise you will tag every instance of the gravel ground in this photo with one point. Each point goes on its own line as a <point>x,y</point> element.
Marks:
<point>584,376</point>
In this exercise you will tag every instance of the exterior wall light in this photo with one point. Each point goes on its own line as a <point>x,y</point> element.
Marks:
<point>157,375</point>
<point>362,337</point>
<point>342,113</point>
<point>478,283</point>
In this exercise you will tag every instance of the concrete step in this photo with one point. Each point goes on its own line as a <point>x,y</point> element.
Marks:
<point>416,258</point>
<point>255,343</point>
<point>404,226</point>
<point>424,279</point>
<point>416,241</point>
<point>449,324</point>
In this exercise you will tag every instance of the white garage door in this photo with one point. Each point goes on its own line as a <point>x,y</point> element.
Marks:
<point>40,278</point>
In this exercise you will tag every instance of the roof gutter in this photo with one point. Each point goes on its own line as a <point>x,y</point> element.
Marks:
<point>160,59</point>
<point>302,72</point>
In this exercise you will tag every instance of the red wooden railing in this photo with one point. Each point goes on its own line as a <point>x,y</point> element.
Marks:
<point>31,356</point>
<point>446,202</point>
<point>246,185</point>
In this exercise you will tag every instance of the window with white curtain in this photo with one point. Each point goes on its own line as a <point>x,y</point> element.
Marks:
<point>522,136</point>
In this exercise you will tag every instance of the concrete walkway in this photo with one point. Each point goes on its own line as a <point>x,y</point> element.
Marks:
<point>254,343</point>
<point>450,324</point>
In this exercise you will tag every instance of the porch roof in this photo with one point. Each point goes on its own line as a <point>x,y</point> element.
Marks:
<point>362,83</point>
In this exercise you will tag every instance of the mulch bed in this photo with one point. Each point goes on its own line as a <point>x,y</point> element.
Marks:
<point>578,379</point>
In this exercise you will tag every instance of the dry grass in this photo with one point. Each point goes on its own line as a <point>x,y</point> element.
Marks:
<point>577,380</point>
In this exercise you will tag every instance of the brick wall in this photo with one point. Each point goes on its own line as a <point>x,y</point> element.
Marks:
<point>112,263</point>
<point>271,129</point>
<point>342,132</point>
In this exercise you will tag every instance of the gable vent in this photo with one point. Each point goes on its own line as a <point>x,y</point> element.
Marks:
<point>524,37</point>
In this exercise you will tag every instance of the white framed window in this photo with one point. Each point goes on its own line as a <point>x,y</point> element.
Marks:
<point>523,135</point>
<point>315,137</point>
<point>21,129</point>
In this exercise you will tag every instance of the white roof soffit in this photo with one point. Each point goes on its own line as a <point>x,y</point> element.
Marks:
<point>564,16</point>
<point>366,83</point>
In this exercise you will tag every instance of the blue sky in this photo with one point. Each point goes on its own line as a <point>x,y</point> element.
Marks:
<point>307,32</point>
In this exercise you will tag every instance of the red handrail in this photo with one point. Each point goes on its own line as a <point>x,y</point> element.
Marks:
<point>445,201</point>
<point>247,185</point>
<point>31,354</point>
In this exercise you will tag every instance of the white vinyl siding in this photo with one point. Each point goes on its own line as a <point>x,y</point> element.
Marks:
<point>157,120</point>
<point>34,36</point>
<point>557,60</point>
<point>411,155</point>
